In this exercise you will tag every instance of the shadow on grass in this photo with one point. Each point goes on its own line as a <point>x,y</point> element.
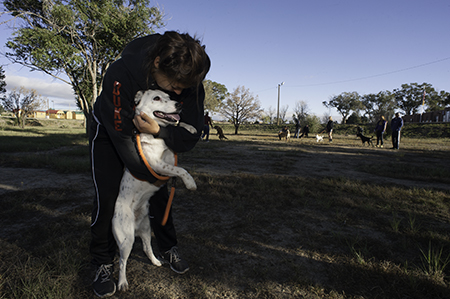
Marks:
<point>244,237</point>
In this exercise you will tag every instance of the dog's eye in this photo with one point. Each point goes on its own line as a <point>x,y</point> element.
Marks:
<point>156,99</point>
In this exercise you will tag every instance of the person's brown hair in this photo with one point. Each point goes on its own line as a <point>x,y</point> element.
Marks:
<point>182,58</point>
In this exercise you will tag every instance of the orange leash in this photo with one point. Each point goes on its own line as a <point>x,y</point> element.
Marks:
<point>159,177</point>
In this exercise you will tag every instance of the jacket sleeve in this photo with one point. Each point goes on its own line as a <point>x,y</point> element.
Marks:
<point>178,138</point>
<point>116,111</point>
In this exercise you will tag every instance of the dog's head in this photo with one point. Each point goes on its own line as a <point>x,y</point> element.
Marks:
<point>158,105</point>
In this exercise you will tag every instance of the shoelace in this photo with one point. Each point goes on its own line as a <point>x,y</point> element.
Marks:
<point>174,256</point>
<point>105,272</point>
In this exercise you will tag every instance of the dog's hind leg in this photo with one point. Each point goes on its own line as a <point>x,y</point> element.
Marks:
<point>144,231</point>
<point>123,230</point>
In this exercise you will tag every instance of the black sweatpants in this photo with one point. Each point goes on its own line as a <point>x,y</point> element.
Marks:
<point>395,139</point>
<point>107,172</point>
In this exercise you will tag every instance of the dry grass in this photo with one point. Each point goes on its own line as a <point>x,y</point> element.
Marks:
<point>270,219</point>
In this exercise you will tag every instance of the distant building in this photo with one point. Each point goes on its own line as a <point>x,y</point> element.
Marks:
<point>37,114</point>
<point>429,117</point>
<point>78,115</point>
<point>59,114</point>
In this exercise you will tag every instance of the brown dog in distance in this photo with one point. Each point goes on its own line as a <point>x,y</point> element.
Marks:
<point>220,132</point>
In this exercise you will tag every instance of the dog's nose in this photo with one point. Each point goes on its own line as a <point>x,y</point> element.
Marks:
<point>178,105</point>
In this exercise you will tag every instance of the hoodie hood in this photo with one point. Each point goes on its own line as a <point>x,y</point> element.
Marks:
<point>135,53</point>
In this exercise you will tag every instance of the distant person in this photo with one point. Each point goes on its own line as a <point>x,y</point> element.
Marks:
<point>329,129</point>
<point>380,128</point>
<point>297,127</point>
<point>283,130</point>
<point>396,127</point>
<point>208,123</point>
<point>305,131</point>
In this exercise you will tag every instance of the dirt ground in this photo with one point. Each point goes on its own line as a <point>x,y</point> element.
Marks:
<point>314,160</point>
<point>305,158</point>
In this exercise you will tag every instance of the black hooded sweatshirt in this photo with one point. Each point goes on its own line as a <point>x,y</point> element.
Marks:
<point>114,108</point>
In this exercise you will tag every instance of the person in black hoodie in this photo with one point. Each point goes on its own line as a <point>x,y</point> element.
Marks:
<point>177,64</point>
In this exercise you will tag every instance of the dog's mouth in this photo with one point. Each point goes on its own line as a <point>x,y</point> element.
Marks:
<point>170,117</point>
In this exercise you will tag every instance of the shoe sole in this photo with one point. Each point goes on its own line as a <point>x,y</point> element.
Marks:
<point>106,295</point>
<point>179,272</point>
<point>171,267</point>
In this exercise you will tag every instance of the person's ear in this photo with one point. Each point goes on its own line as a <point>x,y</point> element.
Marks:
<point>156,62</point>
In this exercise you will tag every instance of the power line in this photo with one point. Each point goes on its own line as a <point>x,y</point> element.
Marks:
<point>373,76</point>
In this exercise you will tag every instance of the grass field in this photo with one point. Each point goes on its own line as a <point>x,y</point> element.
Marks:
<point>270,219</point>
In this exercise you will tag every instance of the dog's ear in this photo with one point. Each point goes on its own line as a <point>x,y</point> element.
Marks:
<point>138,97</point>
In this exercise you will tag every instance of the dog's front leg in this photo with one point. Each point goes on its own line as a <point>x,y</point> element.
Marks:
<point>175,171</point>
<point>162,161</point>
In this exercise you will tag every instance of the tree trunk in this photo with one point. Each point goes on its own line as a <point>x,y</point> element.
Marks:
<point>87,122</point>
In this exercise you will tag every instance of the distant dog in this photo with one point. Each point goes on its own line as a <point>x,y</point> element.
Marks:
<point>365,139</point>
<point>284,135</point>
<point>131,210</point>
<point>319,138</point>
<point>220,133</point>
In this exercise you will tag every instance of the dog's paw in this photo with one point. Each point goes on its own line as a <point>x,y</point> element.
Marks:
<point>188,127</point>
<point>123,285</point>
<point>191,185</point>
<point>156,262</point>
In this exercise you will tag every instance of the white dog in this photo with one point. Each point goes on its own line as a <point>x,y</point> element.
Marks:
<point>319,138</point>
<point>131,210</point>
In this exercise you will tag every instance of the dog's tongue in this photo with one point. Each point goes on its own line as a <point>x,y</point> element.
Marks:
<point>174,117</point>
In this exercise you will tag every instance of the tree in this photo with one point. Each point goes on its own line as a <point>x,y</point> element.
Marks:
<point>241,106</point>
<point>77,38</point>
<point>270,113</point>
<point>437,100</point>
<point>215,93</point>
<point>2,81</point>
<point>345,103</point>
<point>354,118</point>
<point>2,87</point>
<point>21,102</point>
<point>410,96</point>
<point>369,102</point>
<point>283,111</point>
<point>380,104</point>
<point>313,121</point>
<point>301,111</point>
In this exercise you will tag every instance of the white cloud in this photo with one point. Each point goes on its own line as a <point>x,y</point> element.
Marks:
<point>45,88</point>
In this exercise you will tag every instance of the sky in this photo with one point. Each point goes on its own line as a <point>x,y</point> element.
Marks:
<point>318,48</point>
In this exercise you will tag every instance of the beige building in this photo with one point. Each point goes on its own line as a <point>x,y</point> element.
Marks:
<point>58,114</point>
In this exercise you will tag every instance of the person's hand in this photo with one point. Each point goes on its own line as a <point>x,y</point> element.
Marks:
<point>146,124</point>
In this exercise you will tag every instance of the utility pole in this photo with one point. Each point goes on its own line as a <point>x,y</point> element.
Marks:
<point>278,108</point>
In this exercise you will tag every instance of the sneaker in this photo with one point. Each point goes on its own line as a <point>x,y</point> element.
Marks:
<point>103,284</point>
<point>381,146</point>
<point>172,258</point>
